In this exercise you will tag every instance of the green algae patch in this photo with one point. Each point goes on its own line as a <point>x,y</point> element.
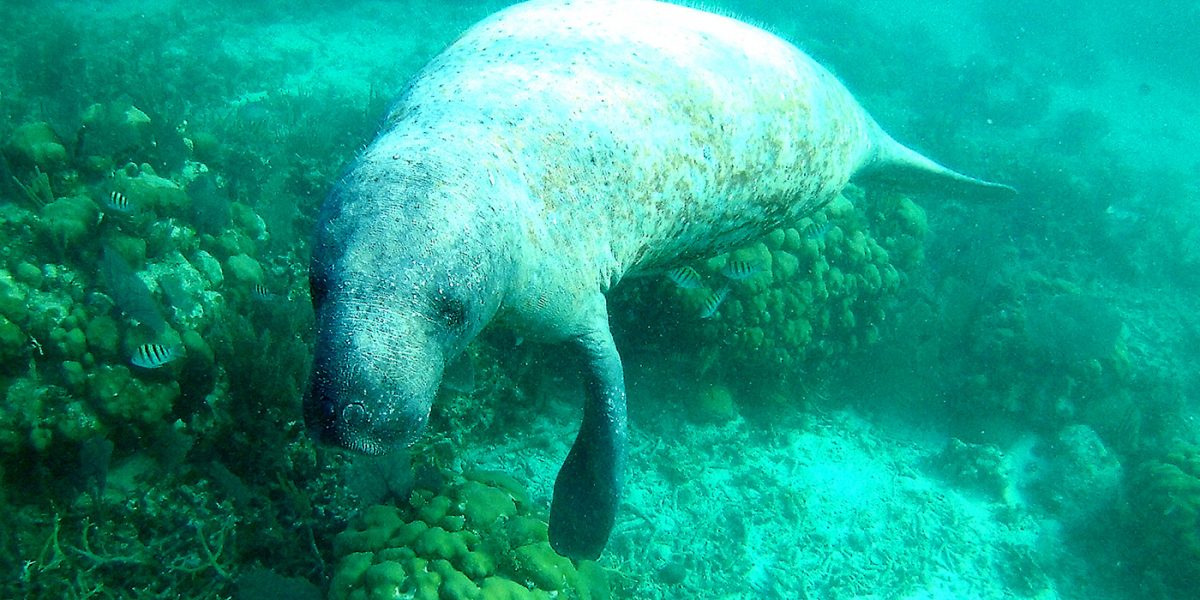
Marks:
<point>544,567</point>
<point>713,404</point>
<point>349,575</point>
<point>407,533</point>
<point>495,548</point>
<point>66,222</point>
<point>371,532</point>
<point>499,588</point>
<point>483,505</point>
<point>436,542</point>
<point>104,338</point>
<point>1166,507</point>
<point>151,192</point>
<point>36,145</point>
<point>243,269</point>
<point>477,565</point>
<point>502,481</point>
<point>385,579</point>
<point>522,530</point>
<point>432,509</point>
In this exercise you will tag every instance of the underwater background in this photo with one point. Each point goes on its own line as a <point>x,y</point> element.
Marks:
<point>904,397</point>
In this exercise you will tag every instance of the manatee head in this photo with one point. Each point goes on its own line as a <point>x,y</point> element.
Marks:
<point>394,299</point>
<point>374,376</point>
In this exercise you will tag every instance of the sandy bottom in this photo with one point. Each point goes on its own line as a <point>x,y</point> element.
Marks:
<point>812,504</point>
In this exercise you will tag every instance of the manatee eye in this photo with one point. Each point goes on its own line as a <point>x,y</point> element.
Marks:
<point>452,311</point>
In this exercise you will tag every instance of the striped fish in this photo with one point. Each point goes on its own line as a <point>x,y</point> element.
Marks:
<point>709,306</point>
<point>118,202</point>
<point>262,293</point>
<point>153,355</point>
<point>815,231</point>
<point>738,270</point>
<point>686,278</point>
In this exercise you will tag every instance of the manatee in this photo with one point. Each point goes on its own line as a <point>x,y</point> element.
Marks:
<point>551,150</point>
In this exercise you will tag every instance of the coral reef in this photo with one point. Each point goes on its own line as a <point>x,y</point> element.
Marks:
<point>802,299</point>
<point>822,287</point>
<point>36,145</point>
<point>1036,350</point>
<point>713,404</point>
<point>1080,479</point>
<point>977,466</point>
<point>172,541</point>
<point>475,538</point>
<point>1164,507</point>
<point>106,250</point>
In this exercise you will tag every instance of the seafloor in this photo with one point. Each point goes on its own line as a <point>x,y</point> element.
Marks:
<point>908,397</point>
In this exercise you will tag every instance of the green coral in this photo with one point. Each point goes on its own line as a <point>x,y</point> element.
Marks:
<point>12,298</point>
<point>982,467</point>
<point>544,567</point>
<point>474,539</point>
<point>29,274</point>
<point>1041,349</point>
<point>814,291</point>
<point>132,249</point>
<point>67,222</point>
<point>115,128</point>
<point>216,413</point>
<point>713,404</point>
<point>1165,503</point>
<point>249,222</point>
<point>482,505</point>
<point>36,145</point>
<point>124,397</point>
<point>146,190</point>
<point>13,343</point>
<point>243,269</point>
<point>69,343</point>
<point>208,266</point>
<point>104,338</point>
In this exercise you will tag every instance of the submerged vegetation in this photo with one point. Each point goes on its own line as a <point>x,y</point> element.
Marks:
<point>143,209</point>
<point>160,169</point>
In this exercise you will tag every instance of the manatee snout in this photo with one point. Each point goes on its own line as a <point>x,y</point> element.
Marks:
<point>367,398</point>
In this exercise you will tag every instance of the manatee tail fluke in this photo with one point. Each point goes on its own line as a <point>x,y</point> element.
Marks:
<point>893,163</point>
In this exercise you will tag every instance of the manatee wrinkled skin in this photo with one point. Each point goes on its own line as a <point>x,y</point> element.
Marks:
<point>551,150</point>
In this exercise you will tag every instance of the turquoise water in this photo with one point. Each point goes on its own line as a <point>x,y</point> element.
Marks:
<point>922,397</point>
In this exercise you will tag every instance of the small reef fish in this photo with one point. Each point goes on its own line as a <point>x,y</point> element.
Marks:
<point>153,355</point>
<point>118,202</point>
<point>709,306</point>
<point>686,278</point>
<point>262,293</point>
<point>815,231</point>
<point>738,270</point>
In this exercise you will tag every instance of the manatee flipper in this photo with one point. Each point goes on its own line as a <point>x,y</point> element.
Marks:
<point>588,488</point>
